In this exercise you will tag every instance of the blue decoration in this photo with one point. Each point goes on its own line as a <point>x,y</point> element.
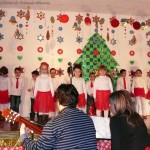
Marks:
<point>20,25</point>
<point>96,30</point>
<point>79,39</point>
<point>60,28</point>
<point>112,31</point>
<point>40,27</point>
<point>131,31</point>
<point>60,39</point>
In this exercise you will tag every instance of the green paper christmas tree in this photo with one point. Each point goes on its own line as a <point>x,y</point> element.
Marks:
<point>94,54</point>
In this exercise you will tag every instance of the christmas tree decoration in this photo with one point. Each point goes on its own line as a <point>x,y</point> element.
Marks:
<point>41,15</point>
<point>63,18</point>
<point>40,58</point>
<point>132,41</point>
<point>13,20</point>
<point>79,39</point>
<point>148,54</point>
<point>112,41</point>
<point>2,14</point>
<point>40,49</point>
<point>131,62</point>
<point>60,60</point>
<point>113,52</point>
<point>130,21</point>
<point>148,42</point>
<point>59,51</point>
<point>136,25</point>
<point>1,25</point>
<point>132,53</point>
<point>96,19</point>
<point>40,37</point>
<point>20,14</point>
<point>27,15</point>
<point>79,51</point>
<point>47,35</point>
<point>79,18</point>
<point>60,39</point>
<point>59,72</point>
<point>148,22</point>
<point>52,19</point>
<point>1,36</point>
<point>19,48</point>
<point>90,62</point>
<point>87,20</point>
<point>1,48</point>
<point>19,57</point>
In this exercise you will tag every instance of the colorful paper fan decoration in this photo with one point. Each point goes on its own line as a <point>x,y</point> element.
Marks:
<point>19,48</point>
<point>2,14</point>
<point>113,52</point>
<point>13,20</point>
<point>87,20</point>
<point>114,22</point>
<point>136,25</point>
<point>79,51</point>
<point>41,15</point>
<point>59,51</point>
<point>148,54</point>
<point>132,53</point>
<point>63,18</point>
<point>1,48</point>
<point>40,49</point>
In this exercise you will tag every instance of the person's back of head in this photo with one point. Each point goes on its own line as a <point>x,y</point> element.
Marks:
<point>67,95</point>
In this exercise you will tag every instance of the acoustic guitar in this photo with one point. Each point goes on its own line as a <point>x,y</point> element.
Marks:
<point>13,116</point>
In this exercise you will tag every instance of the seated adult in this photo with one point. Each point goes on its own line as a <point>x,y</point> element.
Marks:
<point>128,131</point>
<point>72,129</point>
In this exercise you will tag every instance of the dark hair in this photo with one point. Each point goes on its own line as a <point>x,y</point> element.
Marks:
<point>122,70</point>
<point>52,69</point>
<point>18,69</point>
<point>139,70</point>
<point>67,95</point>
<point>124,107</point>
<point>35,72</point>
<point>92,73</point>
<point>102,67</point>
<point>77,66</point>
<point>3,70</point>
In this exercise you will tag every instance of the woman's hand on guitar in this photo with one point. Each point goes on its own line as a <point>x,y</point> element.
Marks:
<point>24,129</point>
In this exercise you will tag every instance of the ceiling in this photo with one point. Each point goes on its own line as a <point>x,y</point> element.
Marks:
<point>123,7</point>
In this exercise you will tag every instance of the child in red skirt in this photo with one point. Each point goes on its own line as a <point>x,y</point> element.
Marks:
<point>148,87</point>
<point>139,90</point>
<point>79,83</point>
<point>102,89</point>
<point>4,90</point>
<point>43,93</point>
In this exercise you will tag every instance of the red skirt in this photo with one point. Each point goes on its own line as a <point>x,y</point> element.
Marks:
<point>81,100</point>
<point>102,99</point>
<point>148,95</point>
<point>139,92</point>
<point>44,102</point>
<point>4,98</point>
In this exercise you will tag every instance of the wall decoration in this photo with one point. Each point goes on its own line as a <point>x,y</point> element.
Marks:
<point>132,41</point>
<point>20,14</point>
<point>95,52</point>
<point>101,21</point>
<point>18,35</point>
<point>132,53</point>
<point>13,20</point>
<point>131,32</point>
<point>112,41</point>
<point>41,15</point>
<point>149,62</point>
<point>113,52</point>
<point>40,58</point>
<point>20,25</point>
<point>60,39</point>
<point>40,49</point>
<point>114,22</point>
<point>130,21</point>
<point>79,18</point>
<point>2,14</point>
<point>1,25</point>
<point>79,39</point>
<point>131,62</point>
<point>60,28</point>
<point>19,57</point>
<point>1,48</point>
<point>91,62</point>
<point>1,36</point>
<point>136,25</point>
<point>40,37</point>
<point>63,18</point>
<point>107,37</point>
<point>47,34</point>
<point>96,19</point>
<point>19,48</point>
<point>59,72</point>
<point>148,22</point>
<point>60,60</point>
<point>87,20</point>
<point>147,34</point>
<point>148,54</point>
<point>52,19</point>
<point>1,57</point>
<point>40,27</point>
<point>60,51</point>
<point>123,22</point>
<point>27,15</point>
<point>79,51</point>
<point>148,42</point>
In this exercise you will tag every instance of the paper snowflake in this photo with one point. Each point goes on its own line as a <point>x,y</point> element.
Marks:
<point>2,14</point>
<point>148,42</point>
<point>79,18</point>
<point>113,41</point>
<point>1,36</point>
<point>41,15</point>
<point>60,39</point>
<point>79,39</point>
<point>20,14</point>
<point>60,72</point>
<point>40,37</point>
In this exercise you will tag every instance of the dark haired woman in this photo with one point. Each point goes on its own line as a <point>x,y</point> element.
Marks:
<point>128,131</point>
<point>70,130</point>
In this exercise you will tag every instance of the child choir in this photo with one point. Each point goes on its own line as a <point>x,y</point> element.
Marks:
<point>93,95</point>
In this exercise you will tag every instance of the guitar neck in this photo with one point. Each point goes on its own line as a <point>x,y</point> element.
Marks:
<point>30,125</point>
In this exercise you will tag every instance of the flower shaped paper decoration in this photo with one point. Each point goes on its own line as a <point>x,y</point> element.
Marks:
<point>20,14</point>
<point>2,14</point>
<point>41,15</point>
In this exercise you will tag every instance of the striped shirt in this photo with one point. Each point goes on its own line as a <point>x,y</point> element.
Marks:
<point>70,130</point>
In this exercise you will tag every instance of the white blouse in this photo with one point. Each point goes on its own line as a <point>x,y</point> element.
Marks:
<point>90,90</point>
<point>5,84</point>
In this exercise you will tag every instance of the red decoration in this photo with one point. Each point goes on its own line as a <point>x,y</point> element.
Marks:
<point>114,23</point>
<point>60,72</point>
<point>47,35</point>
<point>148,54</point>
<point>60,51</point>
<point>1,49</point>
<point>79,51</point>
<point>27,16</point>
<point>132,53</point>
<point>136,25</point>
<point>64,18</point>
<point>113,52</point>
<point>40,49</point>
<point>95,52</point>
<point>87,21</point>
<point>19,48</point>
